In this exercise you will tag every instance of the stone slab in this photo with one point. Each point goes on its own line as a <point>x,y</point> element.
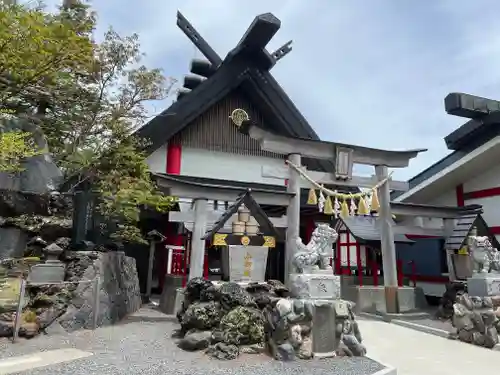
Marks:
<point>369,298</point>
<point>168,295</point>
<point>484,285</point>
<point>324,342</point>
<point>47,273</point>
<point>315,286</point>
<point>9,294</point>
<point>247,263</point>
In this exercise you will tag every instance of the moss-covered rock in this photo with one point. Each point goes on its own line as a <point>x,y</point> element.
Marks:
<point>243,326</point>
<point>201,316</point>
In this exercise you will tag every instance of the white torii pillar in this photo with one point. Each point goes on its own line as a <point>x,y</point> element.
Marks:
<point>197,243</point>
<point>293,215</point>
<point>388,248</point>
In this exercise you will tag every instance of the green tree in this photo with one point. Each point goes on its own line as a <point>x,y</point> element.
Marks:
<point>87,98</point>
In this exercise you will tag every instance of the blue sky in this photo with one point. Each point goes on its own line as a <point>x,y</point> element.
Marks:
<point>372,73</point>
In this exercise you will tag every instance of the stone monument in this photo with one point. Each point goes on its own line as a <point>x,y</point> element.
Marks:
<point>52,271</point>
<point>485,280</point>
<point>313,280</point>
<point>247,263</point>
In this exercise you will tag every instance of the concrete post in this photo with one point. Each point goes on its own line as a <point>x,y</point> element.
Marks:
<point>293,215</point>
<point>197,244</point>
<point>448,226</point>
<point>387,243</point>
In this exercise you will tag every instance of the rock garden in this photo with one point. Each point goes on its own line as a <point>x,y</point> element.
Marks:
<point>475,320</point>
<point>42,229</point>
<point>226,319</point>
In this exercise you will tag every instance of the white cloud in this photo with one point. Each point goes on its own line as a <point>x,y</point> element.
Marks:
<point>373,73</point>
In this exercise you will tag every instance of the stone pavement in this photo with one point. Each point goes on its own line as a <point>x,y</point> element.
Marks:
<point>417,353</point>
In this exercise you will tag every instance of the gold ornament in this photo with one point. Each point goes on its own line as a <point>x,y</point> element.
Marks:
<point>245,241</point>
<point>328,210</point>
<point>375,205</point>
<point>362,208</point>
<point>312,198</point>
<point>239,116</point>
<point>344,209</point>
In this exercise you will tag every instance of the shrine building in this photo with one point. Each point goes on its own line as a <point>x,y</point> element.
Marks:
<point>194,142</point>
<point>233,129</point>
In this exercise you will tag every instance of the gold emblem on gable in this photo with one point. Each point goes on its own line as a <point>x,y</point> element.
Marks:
<point>238,116</point>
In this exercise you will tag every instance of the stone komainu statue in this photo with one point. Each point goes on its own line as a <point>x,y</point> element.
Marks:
<point>318,252</point>
<point>485,258</point>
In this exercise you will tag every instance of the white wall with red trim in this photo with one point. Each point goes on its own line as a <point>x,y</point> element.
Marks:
<point>226,166</point>
<point>483,189</point>
<point>486,180</point>
<point>157,161</point>
<point>448,198</point>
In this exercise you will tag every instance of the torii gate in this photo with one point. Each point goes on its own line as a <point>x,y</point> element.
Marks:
<point>343,157</point>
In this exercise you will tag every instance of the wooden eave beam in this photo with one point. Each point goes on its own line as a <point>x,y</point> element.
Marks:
<point>444,212</point>
<point>193,190</point>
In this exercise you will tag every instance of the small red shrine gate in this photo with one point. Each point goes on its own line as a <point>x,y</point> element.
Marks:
<point>357,251</point>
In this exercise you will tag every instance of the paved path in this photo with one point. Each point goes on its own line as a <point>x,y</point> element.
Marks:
<point>417,353</point>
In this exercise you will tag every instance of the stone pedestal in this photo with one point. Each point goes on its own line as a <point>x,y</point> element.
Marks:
<point>484,285</point>
<point>318,285</point>
<point>168,299</point>
<point>322,289</point>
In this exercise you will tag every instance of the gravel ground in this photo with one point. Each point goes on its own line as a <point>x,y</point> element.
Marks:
<point>143,345</point>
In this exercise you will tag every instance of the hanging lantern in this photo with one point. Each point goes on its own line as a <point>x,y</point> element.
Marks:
<point>336,207</point>
<point>312,199</point>
<point>344,209</point>
<point>328,206</point>
<point>362,206</point>
<point>374,205</point>
<point>352,207</point>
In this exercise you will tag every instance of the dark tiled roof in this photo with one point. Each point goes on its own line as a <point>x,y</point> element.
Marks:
<point>367,228</point>
<point>255,210</point>
<point>460,232</point>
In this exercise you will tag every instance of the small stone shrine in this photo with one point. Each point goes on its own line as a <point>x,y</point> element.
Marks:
<point>245,249</point>
<point>485,280</point>
<point>475,307</point>
<point>52,271</point>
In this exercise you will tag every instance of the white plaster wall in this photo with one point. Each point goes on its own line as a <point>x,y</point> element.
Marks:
<point>225,166</point>
<point>491,210</point>
<point>157,161</point>
<point>486,180</point>
<point>447,199</point>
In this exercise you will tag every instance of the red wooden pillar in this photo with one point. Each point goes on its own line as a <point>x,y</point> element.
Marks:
<point>205,264</point>
<point>310,226</point>
<point>413,273</point>
<point>348,255</point>
<point>375,271</point>
<point>399,267</point>
<point>173,166</point>
<point>337,258</point>
<point>358,264</point>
